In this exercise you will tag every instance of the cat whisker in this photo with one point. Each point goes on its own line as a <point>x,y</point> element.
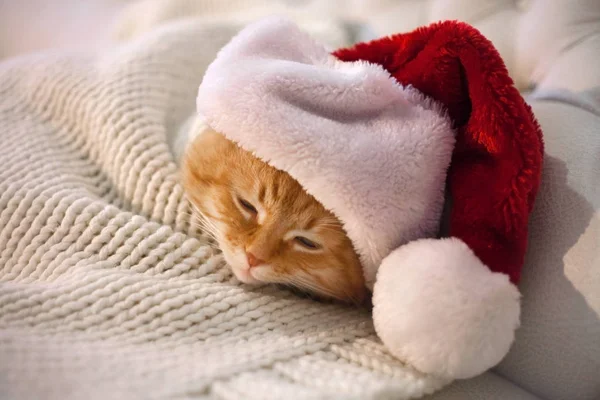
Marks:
<point>206,220</point>
<point>210,218</point>
<point>206,227</point>
<point>202,224</point>
<point>329,226</point>
<point>331,229</point>
<point>348,296</point>
<point>351,297</point>
<point>194,220</point>
<point>303,283</point>
<point>338,226</point>
<point>330,221</point>
<point>213,246</point>
<point>210,235</point>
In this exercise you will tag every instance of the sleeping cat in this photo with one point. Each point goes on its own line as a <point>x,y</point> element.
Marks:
<point>268,228</point>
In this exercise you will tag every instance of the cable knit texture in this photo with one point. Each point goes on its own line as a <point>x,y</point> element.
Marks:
<point>106,289</point>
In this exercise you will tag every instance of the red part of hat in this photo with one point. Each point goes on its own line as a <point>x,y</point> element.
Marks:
<point>496,165</point>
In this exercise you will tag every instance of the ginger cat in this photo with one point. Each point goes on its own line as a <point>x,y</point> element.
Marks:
<point>268,228</point>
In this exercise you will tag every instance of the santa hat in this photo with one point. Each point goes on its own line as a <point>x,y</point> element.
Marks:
<point>374,133</point>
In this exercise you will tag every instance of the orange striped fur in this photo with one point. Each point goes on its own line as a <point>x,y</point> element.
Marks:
<point>269,229</point>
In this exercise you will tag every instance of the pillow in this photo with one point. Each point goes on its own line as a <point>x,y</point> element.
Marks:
<point>556,354</point>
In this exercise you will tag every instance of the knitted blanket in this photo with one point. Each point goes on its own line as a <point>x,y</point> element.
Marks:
<point>107,290</point>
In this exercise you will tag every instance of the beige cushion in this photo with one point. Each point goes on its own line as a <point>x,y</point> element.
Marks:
<point>547,44</point>
<point>543,42</point>
<point>489,386</point>
<point>557,351</point>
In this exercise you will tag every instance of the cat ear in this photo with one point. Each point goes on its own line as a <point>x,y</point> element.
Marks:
<point>194,126</point>
<point>197,127</point>
<point>437,306</point>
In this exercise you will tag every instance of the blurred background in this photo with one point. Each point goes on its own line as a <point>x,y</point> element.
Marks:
<point>539,40</point>
<point>30,25</point>
<point>92,25</point>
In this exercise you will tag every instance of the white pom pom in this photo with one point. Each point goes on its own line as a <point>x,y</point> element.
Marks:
<point>438,307</point>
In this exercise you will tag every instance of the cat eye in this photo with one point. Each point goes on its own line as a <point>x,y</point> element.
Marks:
<point>247,206</point>
<point>309,244</point>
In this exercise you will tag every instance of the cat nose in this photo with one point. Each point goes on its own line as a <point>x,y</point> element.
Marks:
<point>253,261</point>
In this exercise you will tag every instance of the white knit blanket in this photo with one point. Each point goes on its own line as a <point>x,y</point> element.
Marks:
<point>106,290</point>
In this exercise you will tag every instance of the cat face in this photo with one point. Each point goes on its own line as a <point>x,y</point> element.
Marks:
<point>269,229</point>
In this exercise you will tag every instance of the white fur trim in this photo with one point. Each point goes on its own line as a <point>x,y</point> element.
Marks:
<point>437,306</point>
<point>371,151</point>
